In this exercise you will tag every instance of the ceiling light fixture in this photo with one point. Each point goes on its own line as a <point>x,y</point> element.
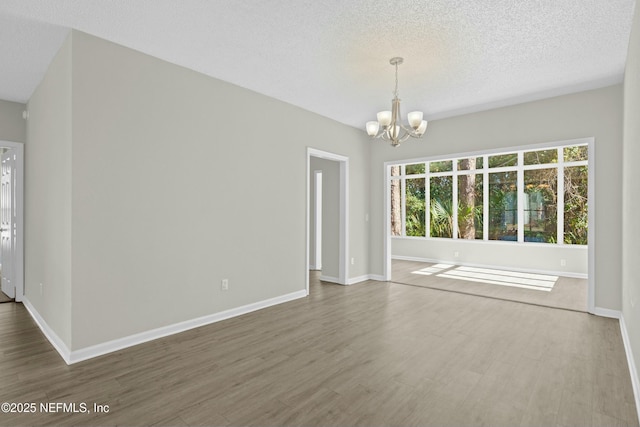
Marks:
<point>389,125</point>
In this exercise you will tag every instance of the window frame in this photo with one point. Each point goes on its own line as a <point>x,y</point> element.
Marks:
<point>485,171</point>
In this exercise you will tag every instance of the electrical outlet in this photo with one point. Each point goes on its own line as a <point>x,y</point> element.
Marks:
<point>224,284</point>
<point>353,261</point>
<point>456,254</point>
<point>563,263</point>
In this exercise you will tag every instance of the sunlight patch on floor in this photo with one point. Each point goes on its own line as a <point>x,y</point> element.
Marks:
<point>434,269</point>
<point>538,282</point>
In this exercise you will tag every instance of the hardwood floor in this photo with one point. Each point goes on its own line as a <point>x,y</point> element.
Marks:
<point>4,298</point>
<point>567,293</point>
<point>370,354</point>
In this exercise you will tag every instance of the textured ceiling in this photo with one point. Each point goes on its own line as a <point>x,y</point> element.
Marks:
<point>331,56</point>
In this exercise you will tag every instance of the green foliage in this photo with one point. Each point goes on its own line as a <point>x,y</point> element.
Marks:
<point>416,219</point>
<point>503,160</point>
<point>416,208</point>
<point>467,213</point>
<point>541,157</point>
<point>443,166</point>
<point>441,187</point>
<point>575,154</point>
<point>541,218</point>
<point>576,212</point>
<point>502,194</point>
<point>577,234</point>
<point>441,218</point>
<point>415,169</point>
<point>441,192</point>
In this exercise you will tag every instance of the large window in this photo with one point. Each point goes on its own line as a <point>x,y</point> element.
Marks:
<point>503,206</point>
<point>533,196</point>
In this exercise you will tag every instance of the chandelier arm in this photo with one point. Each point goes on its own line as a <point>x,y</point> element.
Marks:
<point>406,132</point>
<point>406,129</point>
<point>411,132</point>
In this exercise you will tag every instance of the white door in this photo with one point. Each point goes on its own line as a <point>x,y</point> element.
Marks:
<point>7,222</point>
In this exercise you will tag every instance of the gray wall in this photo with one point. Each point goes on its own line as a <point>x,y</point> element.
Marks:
<point>631,192</point>
<point>12,125</point>
<point>596,113</point>
<point>178,180</point>
<point>48,197</point>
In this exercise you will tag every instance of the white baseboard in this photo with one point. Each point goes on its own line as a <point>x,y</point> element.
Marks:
<point>635,381</point>
<point>414,258</point>
<point>53,338</point>
<point>142,337</point>
<point>358,279</point>
<point>606,312</point>
<point>496,267</point>
<point>330,279</point>
<point>353,280</point>
<point>376,277</point>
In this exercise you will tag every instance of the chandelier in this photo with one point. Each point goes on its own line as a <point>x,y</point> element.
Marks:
<point>389,125</point>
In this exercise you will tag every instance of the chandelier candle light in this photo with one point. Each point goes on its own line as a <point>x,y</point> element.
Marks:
<point>389,125</point>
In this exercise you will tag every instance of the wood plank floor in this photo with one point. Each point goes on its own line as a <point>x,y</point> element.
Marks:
<point>568,293</point>
<point>371,354</point>
<point>4,298</point>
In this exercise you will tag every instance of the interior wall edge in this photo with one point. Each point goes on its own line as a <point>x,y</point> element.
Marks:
<point>635,381</point>
<point>48,332</point>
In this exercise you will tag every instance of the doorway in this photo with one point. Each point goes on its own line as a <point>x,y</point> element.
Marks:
<point>11,220</point>
<point>328,173</point>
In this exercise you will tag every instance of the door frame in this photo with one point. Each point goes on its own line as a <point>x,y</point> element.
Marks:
<point>343,252</point>
<point>18,273</point>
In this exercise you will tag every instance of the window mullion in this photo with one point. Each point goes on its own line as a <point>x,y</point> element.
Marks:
<point>485,198</point>
<point>403,205</point>
<point>427,201</point>
<point>560,198</point>
<point>454,200</point>
<point>520,196</point>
